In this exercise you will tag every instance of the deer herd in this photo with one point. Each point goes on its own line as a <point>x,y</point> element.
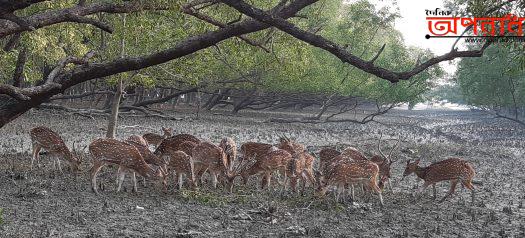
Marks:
<point>188,158</point>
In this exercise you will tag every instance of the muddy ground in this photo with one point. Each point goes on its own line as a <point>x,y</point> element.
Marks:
<point>45,203</point>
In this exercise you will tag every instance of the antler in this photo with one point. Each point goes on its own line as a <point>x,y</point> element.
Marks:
<point>379,145</point>
<point>392,150</point>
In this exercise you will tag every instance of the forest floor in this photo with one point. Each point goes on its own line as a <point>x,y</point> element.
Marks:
<point>45,203</point>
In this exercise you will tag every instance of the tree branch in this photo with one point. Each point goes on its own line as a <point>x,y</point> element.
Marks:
<point>341,52</point>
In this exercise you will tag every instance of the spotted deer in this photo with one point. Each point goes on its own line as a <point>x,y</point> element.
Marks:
<point>47,139</point>
<point>385,163</point>
<point>453,169</point>
<point>210,157</point>
<point>180,163</point>
<point>273,160</point>
<point>353,172</point>
<point>300,167</point>
<point>230,148</point>
<point>156,139</point>
<point>126,156</point>
<point>353,153</point>
<point>174,143</point>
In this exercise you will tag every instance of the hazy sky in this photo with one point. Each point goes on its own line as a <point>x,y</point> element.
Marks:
<point>413,26</point>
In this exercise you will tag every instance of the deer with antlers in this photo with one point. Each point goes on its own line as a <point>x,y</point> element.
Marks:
<point>126,156</point>
<point>47,139</point>
<point>454,170</point>
<point>384,162</point>
<point>351,172</point>
<point>156,139</point>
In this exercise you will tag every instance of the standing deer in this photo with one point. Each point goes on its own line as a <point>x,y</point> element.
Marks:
<point>273,160</point>
<point>454,170</point>
<point>354,172</point>
<point>208,156</point>
<point>126,156</point>
<point>300,167</point>
<point>230,148</point>
<point>45,138</point>
<point>180,164</point>
<point>142,146</point>
<point>156,139</point>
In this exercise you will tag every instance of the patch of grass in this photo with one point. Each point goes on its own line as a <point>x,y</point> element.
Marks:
<point>211,198</point>
<point>1,216</point>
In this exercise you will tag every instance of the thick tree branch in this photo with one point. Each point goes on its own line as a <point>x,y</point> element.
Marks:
<point>341,52</point>
<point>75,14</point>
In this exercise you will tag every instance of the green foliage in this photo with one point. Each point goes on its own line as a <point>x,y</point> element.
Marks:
<point>494,80</point>
<point>291,66</point>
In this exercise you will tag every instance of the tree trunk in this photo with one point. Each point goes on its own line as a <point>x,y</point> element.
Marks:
<point>112,123</point>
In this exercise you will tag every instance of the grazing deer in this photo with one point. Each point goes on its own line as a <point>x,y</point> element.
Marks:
<point>385,163</point>
<point>354,172</point>
<point>156,139</point>
<point>174,143</point>
<point>291,146</point>
<point>126,156</point>
<point>300,167</point>
<point>45,138</point>
<point>147,155</point>
<point>273,160</point>
<point>208,156</point>
<point>454,170</point>
<point>180,164</point>
<point>230,148</point>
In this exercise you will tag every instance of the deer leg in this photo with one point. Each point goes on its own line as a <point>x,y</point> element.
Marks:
<point>94,170</point>
<point>214,179</point>
<point>59,166</point>
<point>121,176</point>
<point>180,181</point>
<point>422,189</point>
<point>453,184</point>
<point>390,185</point>
<point>134,182</point>
<point>434,190</point>
<point>36,150</point>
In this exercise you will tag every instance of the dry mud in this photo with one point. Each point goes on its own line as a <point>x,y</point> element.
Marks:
<point>45,203</point>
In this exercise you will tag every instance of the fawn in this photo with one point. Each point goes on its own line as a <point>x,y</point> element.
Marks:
<point>156,139</point>
<point>181,164</point>
<point>210,157</point>
<point>230,148</point>
<point>352,172</point>
<point>453,169</point>
<point>126,156</point>
<point>174,143</point>
<point>300,166</point>
<point>45,138</point>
